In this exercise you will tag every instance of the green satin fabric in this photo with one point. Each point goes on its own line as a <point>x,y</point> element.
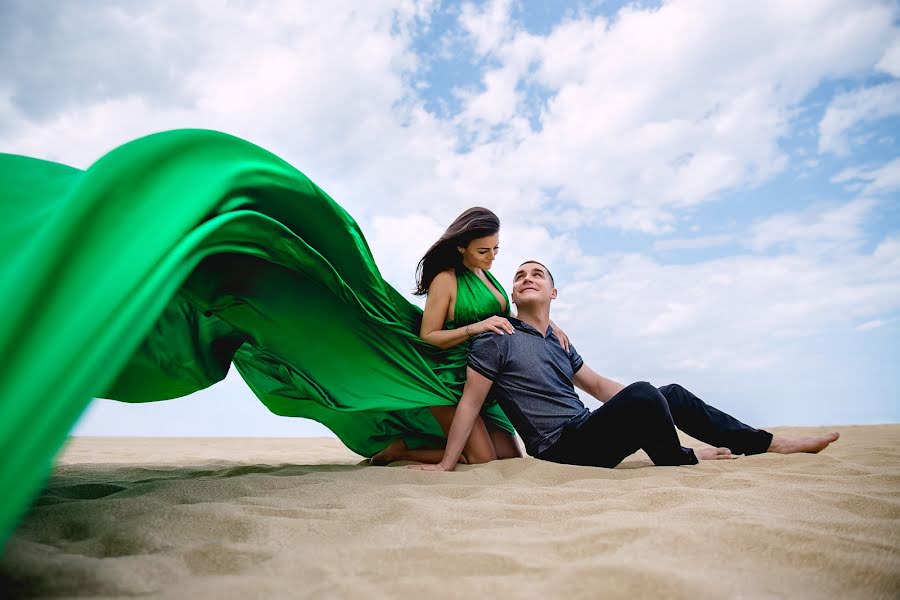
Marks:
<point>475,301</point>
<point>144,277</point>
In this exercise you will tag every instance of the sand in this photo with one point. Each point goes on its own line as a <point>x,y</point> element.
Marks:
<point>271,518</point>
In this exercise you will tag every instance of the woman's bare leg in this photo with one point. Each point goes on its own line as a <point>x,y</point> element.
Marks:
<point>478,449</point>
<point>397,450</point>
<point>505,444</point>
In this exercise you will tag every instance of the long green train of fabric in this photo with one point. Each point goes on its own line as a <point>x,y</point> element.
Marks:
<point>147,275</point>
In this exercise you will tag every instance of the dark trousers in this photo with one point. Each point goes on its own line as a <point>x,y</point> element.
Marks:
<point>644,417</point>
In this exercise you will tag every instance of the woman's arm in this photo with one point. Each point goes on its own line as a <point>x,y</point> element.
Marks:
<point>437,310</point>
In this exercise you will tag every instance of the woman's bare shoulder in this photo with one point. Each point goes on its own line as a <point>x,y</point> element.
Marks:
<point>439,304</point>
<point>443,282</point>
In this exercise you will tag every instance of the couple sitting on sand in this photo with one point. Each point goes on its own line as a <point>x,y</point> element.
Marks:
<point>527,365</point>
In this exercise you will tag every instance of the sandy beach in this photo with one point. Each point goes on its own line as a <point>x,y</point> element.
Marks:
<point>270,518</point>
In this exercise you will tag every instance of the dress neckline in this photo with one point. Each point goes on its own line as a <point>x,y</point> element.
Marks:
<point>496,285</point>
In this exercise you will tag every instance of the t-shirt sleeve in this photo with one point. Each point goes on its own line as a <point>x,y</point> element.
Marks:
<point>575,359</point>
<point>485,355</point>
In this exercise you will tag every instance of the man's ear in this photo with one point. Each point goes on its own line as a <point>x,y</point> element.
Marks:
<point>553,294</point>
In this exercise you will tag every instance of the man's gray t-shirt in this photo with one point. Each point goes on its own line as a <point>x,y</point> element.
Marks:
<point>532,377</point>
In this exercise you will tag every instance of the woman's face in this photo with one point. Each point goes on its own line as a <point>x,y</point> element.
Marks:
<point>481,252</point>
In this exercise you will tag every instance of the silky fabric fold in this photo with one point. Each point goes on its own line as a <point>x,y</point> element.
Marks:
<point>144,277</point>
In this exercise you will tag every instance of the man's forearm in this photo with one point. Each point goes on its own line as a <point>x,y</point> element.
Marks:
<point>596,385</point>
<point>606,389</point>
<point>463,421</point>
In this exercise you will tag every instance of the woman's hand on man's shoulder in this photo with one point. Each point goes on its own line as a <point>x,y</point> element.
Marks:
<point>496,324</point>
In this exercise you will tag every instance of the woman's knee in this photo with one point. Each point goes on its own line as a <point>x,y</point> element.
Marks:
<point>505,445</point>
<point>479,455</point>
<point>479,447</point>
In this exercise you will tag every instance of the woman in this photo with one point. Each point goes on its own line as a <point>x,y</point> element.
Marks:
<point>463,299</point>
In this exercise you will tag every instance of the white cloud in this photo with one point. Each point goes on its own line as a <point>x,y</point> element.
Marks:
<point>80,136</point>
<point>871,181</point>
<point>739,313</point>
<point>706,241</point>
<point>884,179</point>
<point>323,87</point>
<point>488,24</point>
<point>655,110</point>
<point>665,108</point>
<point>398,243</point>
<point>875,324</point>
<point>836,229</point>
<point>851,109</point>
<point>496,104</point>
<point>890,62</point>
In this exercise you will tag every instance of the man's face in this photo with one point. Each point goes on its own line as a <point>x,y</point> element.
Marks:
<point>531,285</point>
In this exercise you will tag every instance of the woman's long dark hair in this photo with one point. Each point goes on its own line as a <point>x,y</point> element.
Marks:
<point>474,223</point>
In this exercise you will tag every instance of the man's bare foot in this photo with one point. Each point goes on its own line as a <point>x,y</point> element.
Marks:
<point>713,453</point>
<point>389,454</point>
<point>814,443</point>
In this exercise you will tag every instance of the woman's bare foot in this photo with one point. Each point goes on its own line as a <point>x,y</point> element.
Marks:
<point>388,455</point>
<point>713,453</point>
<point>814,443</point>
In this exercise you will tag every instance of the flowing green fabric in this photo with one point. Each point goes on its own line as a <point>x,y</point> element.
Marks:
<point>144,277</point>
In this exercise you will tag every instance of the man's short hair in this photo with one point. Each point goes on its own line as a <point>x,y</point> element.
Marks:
<point>549,274</point>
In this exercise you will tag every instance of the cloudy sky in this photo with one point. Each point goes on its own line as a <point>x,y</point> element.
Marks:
<point>715,184</point>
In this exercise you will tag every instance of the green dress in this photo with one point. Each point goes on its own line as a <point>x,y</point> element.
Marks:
<point>145,276</point>
<point>474,302</point>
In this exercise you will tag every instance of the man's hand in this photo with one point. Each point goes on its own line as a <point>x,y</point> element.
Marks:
<point>437,467</point>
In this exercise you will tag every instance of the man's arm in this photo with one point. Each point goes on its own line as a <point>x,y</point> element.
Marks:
<point>596,385</point>
<point>476,390</point>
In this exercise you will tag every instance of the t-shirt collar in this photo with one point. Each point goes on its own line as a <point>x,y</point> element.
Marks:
<point>525,327</point>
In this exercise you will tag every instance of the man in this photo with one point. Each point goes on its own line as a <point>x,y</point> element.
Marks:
<point>533,378</point>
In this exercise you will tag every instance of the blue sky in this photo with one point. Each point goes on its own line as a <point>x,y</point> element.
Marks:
<point>715,184</point>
